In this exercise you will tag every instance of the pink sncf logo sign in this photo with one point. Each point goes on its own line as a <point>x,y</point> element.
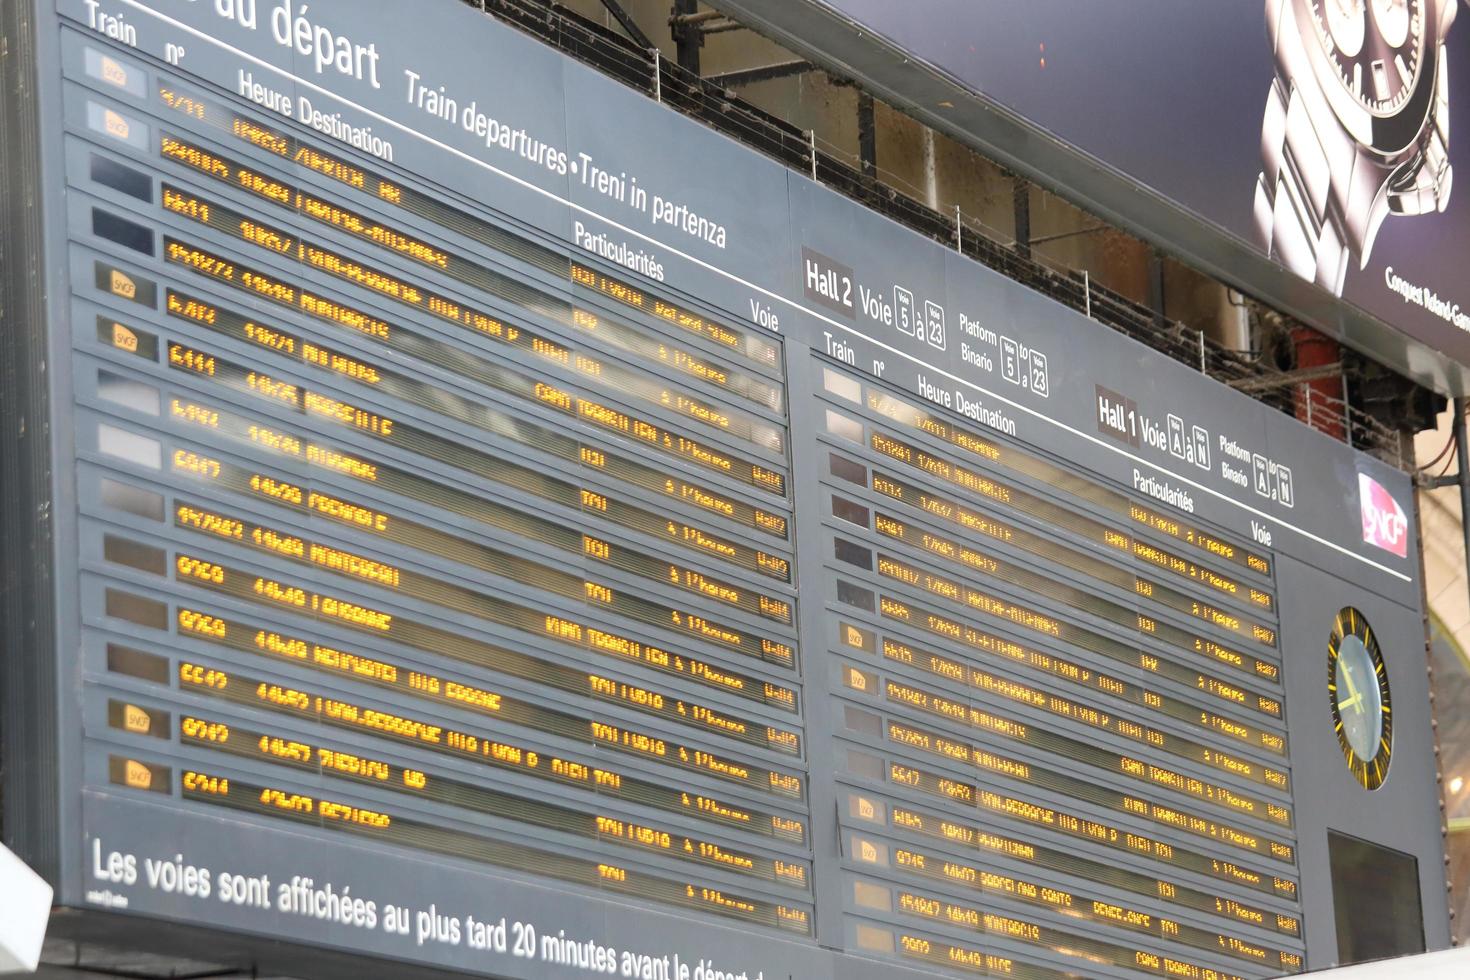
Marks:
<point>1384,523</point>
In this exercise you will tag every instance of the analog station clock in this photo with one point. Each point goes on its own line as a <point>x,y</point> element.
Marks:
<point>1358,683</point>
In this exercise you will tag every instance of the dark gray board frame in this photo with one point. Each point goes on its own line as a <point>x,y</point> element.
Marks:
<point>774,219</point>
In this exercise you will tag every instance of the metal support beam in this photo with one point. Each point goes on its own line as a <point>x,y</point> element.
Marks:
<point>1021,207</point>
<point>1061,235</point>
<point>867,134</point>
<point>684,27</point>
<point>1462,452</point>
<point>1156,289</point>
<point>629,25</point>
<point>764,73</point>
<point>1460,479</point>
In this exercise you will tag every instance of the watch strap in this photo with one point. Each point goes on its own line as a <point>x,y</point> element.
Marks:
<point>1423,186</point>
<point>1298,216</point>
<point>1320,198</point>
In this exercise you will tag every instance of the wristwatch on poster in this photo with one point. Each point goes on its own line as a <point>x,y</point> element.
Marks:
<point>1357,128</point>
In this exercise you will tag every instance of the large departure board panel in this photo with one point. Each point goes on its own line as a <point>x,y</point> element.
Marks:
<point>494,523</point>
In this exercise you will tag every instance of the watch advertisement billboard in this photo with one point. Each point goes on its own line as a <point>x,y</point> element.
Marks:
<point>1314,131</point>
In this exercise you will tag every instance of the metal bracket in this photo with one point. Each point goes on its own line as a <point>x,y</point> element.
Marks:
<point>867,122</point>
<point>705,22</point>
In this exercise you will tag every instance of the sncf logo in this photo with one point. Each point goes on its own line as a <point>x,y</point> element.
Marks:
<point>1384,523</point>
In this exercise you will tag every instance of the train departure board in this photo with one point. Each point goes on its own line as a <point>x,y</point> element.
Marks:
<point>462,513</point>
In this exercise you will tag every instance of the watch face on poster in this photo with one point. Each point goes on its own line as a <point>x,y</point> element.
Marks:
<point>1375,46</point>
<point>1356,128</point>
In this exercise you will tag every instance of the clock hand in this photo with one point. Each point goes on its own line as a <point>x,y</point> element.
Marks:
<point>1356,700</point>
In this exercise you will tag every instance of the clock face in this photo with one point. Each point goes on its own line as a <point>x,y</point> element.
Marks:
<point>1376,48</point>
<point>1358,683</point>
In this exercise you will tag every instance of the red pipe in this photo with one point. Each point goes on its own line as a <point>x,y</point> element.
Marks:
<point>1319,403</point>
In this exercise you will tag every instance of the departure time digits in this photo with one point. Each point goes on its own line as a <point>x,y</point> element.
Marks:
<point>1026,576</point>
<point>755,349</point>
<point>390,828</point>
<point>637,429</point>
<point>299,399</point>
<point>715,401</point>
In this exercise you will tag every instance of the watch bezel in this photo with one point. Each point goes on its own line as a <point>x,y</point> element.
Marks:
<point>1386,136</point>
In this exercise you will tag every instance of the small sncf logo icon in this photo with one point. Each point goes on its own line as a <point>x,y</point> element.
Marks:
<point>1384,523</point>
